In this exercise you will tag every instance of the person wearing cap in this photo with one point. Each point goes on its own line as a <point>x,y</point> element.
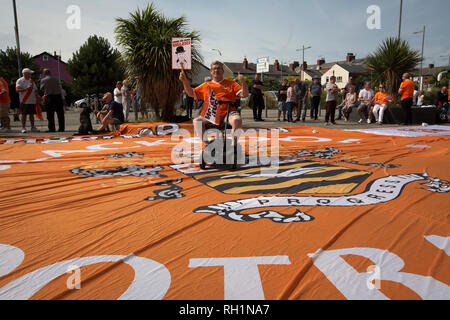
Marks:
<point>28,97</point>
<point>4,106</point>
<point>315,92</point>
<point>51,88</point>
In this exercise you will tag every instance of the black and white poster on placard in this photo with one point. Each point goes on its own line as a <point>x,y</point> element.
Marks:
<point>181,53</point>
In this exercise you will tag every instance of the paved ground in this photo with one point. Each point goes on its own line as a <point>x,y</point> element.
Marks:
<point>73,122</point>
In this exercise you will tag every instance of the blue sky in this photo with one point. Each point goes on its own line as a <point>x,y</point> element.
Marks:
<point>242,28</point>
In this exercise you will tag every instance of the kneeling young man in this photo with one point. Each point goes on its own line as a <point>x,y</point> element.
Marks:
<point>221,89</point>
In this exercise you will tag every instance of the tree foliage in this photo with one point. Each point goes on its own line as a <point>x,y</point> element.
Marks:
<point>8,64</point>
<point>145,38</point>
<point>388,63</point>
<point>95,67</point>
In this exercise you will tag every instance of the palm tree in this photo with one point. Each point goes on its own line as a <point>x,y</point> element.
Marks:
<point>145,39</point>
<point>390,61</point>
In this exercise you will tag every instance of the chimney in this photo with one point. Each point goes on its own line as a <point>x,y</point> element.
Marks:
<point>304,65</point>
<point>294,65</point>
<point>276,65</point>
<point>245,64</point>
<point>321,61</point>
<point>431,66</point>
<point>350,57</point>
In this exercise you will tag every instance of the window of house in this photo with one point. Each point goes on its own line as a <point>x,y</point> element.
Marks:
<point>328,79</point>
<point>45,57</point>
<point>339,79</point>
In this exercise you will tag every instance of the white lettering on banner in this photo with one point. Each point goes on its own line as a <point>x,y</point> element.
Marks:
<point>151,279</point>
<point>154,143</point>
<point>242,279</point>
<point>10,258</point>
<point>4,168</point>
<point>381,190</point>
<point>94,148</point>
<point>353,285</point>
<point>241,275</point>
<point>442,243</point>
<point>314,139</point>
<point>167,129</point>
<point>350,141</point>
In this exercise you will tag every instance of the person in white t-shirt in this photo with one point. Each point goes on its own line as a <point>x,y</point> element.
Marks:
<point>365,102</point>
<point>118,92</point>
<point>28,97</point>
<point>420,98</point>
<point>415,97</point>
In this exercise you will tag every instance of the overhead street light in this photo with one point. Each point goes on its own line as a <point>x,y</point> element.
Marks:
<point>421,60</point>
<point>220,53</point>
<point>303,55</point>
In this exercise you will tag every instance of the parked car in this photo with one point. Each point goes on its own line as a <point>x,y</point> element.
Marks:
<point>82,103</point>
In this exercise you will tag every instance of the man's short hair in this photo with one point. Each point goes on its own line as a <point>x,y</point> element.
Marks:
<point>119,82</point>
<point>108,94</point>
<point>333,77</point>
<point>46,72</point>
<point>217,63</point>
<point>406,75</point>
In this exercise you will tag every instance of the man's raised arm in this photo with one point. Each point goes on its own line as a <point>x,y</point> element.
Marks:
<point>244,93</point>
<point>187,85</point>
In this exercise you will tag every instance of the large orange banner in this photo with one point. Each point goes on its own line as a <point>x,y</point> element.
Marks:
<point>340,215</point>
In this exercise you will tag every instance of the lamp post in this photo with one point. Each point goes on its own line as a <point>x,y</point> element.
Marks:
<point>303,56</point>
<point>16,29</point>
<point>400,19</point>
<point>421,61</point>
<point>448,59</point>
<point>220,53</point>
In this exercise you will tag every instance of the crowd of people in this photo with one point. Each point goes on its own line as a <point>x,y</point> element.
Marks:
<point>24,97</point>
<point>293,99</point>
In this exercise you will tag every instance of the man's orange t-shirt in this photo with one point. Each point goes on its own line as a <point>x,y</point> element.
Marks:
<point>408,89</point>
<point>380,97</point>
<point>4,86</point>
<point>226,90</point>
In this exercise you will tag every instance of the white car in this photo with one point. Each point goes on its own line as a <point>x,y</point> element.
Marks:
<point>82,103</point>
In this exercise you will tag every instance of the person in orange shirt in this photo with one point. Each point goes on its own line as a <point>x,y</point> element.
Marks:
<point>217,89</point>
<point>4,106</point>
<point>407,91</point>
<point>380,100</point>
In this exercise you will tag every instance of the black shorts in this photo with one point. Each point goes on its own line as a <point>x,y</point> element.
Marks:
<point>28,108</point>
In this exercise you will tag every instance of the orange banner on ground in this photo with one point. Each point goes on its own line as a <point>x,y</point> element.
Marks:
<point>340,215</point>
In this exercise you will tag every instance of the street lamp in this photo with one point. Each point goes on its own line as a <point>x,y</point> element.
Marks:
<point>448,59</point>
<point>400,19</point>
<point>421,61</point>
<point>303,56</point>
<point>16,29</point>
<point>220,53</point>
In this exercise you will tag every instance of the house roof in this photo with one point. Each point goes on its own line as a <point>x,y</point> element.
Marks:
<point>49,54</point>
<point>313,73</point>
<point>429,71</point>
<point>353,68</point>
<point>238,67</point>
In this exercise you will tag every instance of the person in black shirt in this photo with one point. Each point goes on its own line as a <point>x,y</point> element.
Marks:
<point>282,96</point>
<point>14,96</point>
<point>257,98</point>
<point>112,112</point>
